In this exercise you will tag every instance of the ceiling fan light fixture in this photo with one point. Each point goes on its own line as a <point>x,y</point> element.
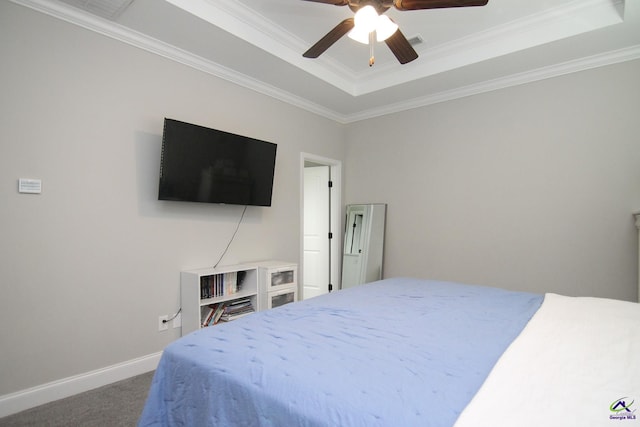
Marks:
<point>366,24</point>
<point>366,18</point>
<point>359,35</point>
<point>385,28</point>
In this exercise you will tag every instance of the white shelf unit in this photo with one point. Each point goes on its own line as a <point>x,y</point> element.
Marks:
<point>207,286</point>
<point>278,283</point>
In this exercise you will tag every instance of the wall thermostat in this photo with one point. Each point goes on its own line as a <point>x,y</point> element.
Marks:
<point>30,186</point>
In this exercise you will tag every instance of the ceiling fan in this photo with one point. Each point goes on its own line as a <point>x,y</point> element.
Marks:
<point>370,24</point>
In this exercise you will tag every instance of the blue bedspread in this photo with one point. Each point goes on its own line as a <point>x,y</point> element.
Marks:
<point>398,352</point>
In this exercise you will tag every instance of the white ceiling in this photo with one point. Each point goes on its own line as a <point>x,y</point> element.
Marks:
<point>464,51</point>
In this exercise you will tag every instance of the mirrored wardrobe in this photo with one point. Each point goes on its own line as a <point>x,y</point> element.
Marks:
<point>363,244</point>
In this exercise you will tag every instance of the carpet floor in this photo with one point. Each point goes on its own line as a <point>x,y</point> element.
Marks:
<point>117,404</point>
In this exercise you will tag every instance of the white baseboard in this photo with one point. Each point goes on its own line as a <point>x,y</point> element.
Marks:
<point>32,397</point>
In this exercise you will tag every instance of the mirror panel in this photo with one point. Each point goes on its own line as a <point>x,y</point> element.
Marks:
<point>363,249</point>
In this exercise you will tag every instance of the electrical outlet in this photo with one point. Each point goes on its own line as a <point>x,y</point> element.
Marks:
<point>163,325</point>
<point>177,321</point>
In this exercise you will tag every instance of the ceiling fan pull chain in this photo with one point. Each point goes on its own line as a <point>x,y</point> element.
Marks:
<point>372,40</point>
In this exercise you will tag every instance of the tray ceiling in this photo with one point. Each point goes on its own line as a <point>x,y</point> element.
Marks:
<point>462,51</point>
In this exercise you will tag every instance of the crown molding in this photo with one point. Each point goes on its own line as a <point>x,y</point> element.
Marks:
<point>608,58</point>
<point>149,44</point>
<point>245,23</point>
<point>554,24</point>
<point>567,20</point>
<point>133,38</point>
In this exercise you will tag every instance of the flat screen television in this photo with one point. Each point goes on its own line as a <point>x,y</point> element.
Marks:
<point>200,164</point>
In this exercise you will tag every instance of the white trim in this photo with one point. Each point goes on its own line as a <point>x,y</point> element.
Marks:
<point>133,38</point>
<point>608,58</point>
<point>554,24</point>
<point>142,41</point>
<point>570,19</point>
<point>25,399</point>
<point>335,168</point>
<point>245,23</point>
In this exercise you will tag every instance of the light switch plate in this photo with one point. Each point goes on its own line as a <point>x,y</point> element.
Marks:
<point>30,186</point>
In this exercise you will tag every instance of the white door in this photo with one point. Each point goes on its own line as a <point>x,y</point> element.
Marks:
<point>316,231</point>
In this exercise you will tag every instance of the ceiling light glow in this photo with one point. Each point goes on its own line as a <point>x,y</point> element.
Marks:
<point>385,28</point>
<point>366,18</point>
<point>368,21</point>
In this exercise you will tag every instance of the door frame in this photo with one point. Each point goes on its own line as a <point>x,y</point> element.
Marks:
<point>335,216</point>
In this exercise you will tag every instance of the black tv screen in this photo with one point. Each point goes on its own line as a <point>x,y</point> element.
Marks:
<point>200,164</point>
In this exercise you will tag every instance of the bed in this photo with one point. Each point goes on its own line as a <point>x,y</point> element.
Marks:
<point>408,352</point>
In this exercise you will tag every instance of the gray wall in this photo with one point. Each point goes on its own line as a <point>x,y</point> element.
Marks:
<point>87,266</point>
<point>529,188</point>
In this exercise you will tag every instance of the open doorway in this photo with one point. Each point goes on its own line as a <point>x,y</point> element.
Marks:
<point>321,225</point>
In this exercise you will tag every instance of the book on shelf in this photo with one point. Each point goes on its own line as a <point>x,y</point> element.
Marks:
<point>221,284</point>
<point>205,314</point>
<point>215,318</point>
<point>237,308</point>
<point>225,311</point>
<point>211,313</point>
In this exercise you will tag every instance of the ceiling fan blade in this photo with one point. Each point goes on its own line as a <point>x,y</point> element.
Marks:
<point>435,4</point>
<point>335,2</point>
<point>401,47</point>
<point>332,36</point>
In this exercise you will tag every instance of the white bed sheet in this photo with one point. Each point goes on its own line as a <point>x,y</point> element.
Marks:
<point>576,363</point>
